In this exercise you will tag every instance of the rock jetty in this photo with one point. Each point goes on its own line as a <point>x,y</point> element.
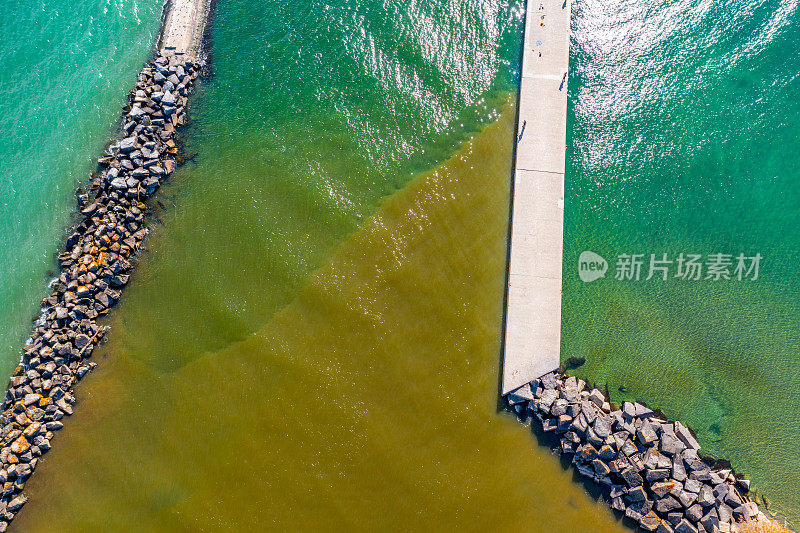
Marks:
<point>95,266</point>
<point>650,470</point>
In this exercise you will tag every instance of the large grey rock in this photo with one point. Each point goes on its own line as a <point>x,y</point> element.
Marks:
<point>725,513</point>
<point>149,153</point>
<point>55,425</point>
<point>663,527</point>
<point>589,412</point>
<point>646,434</point>
<point>571,396</point>
<point>140,173</point>
<point>745,511</point>
<point>631,477</point>
<point>628,409</point>
<point>667,504</point>
<point>81,341</point>
<point>694,513</point>
<point>548,397</point>
<point>522,394</point>
<point>128,144</point>
<point>705,496</point>
<point>549,381</point>
<point>732,498</point>
<point>559,407</point>
<point>586,453</point>
<point>593,439</point>
<point>636,461</point>
<point>650,522</point>
<point>692,485</point>
<point>586,472</point>
<point>119,184</point>
<point>168,99</point>
<point>658,474</point>
<point>700,471</point>
<point>662,488</point>
<point>687,498</point>
<point>579,424</point>
<point>683,433</point>
<point>567,446</point>
<point>637,494</point>
<point>628,448</point>
<point>617,490</point>
<point>17,503</point>
<point>600,467</point>
<point>650,458</point>
<point>744,484</point>
<point>674,517</point>
<point>710,520</point>
<point>670,445</point>
<point>643,411</point>
<point>678,470</point>
<point>564,423</point>
<point>684,526</point>
<point>602,426</point>
<point>607,453</point>
<point>637,510</point>
<point>597,398</point>
<point>618,504</point>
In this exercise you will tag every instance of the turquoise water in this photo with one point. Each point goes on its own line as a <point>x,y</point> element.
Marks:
<point>683,138</point>
<point>67,66</point>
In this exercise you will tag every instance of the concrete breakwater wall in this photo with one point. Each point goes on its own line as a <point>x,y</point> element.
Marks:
<point>95,266</point>
<point>649,469</point>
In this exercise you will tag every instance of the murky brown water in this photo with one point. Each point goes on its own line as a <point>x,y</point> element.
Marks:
<point>367,403</point>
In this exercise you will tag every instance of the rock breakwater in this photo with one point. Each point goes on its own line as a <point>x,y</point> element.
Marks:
<point>649,469</point>
<point>94,268</point>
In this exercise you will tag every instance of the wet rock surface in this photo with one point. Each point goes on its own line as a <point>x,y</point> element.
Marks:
<point>94,267</point>
<point>648,469</point>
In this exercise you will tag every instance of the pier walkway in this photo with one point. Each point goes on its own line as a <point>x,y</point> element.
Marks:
<point>533,313</point>
<point>184,23</point>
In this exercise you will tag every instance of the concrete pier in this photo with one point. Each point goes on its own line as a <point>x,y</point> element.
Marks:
<point>533,314</point>
<point>184,23</point>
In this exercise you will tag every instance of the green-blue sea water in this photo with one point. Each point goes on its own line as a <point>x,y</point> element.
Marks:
<point>683,138</point>
<point>311,339</point>
<point>65,70</point>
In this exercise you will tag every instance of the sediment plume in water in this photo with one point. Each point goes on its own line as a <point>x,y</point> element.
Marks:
<point>370,401</point>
